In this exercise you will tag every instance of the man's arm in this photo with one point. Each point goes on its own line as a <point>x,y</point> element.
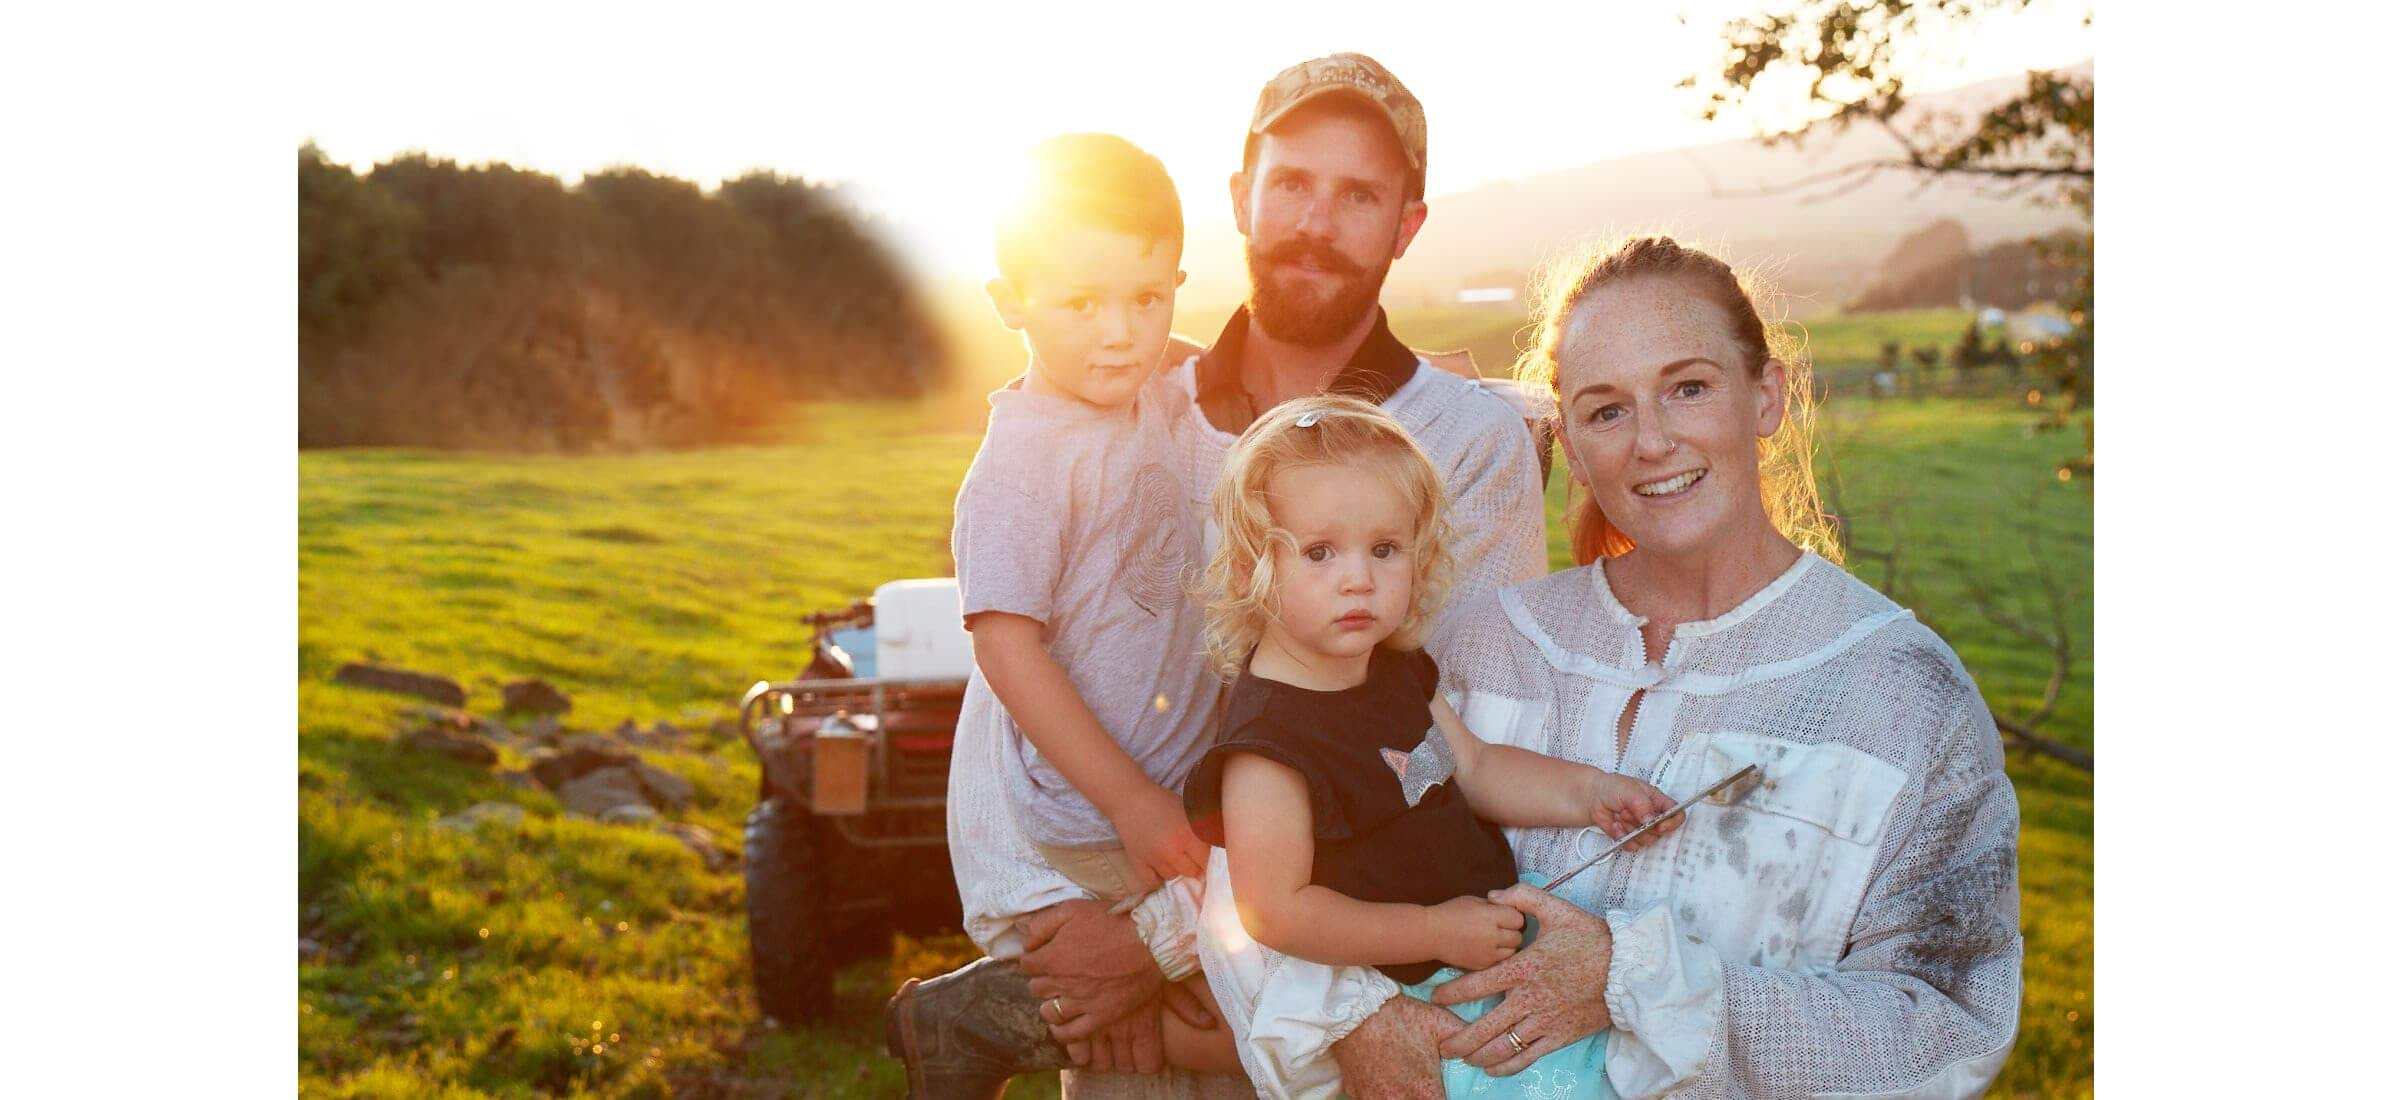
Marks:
<point>1497,512</point>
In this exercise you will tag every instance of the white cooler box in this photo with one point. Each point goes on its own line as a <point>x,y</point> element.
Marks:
<point>918,631</point>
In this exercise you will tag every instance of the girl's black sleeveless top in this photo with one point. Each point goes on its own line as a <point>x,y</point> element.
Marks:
<point>1355,749</point>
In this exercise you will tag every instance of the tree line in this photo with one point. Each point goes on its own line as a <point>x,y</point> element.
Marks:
<point>487,306</point>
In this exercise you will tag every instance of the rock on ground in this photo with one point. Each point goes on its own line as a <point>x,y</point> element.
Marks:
<point>664,787</point>
<point>579,755</point>
<point>466,747</point>
<point>423,685</point>
<point>471,816</point>
<point>628,813</point>
<point>594,793</point>
<point>534,697</point>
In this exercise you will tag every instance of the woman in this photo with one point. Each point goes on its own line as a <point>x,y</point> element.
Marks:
<point>1846,923</point>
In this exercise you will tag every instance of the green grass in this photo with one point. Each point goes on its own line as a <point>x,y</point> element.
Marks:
<point>986,354</point>
<point>1855,339</point>
<point>657,586</point>
<point>1495,335</point>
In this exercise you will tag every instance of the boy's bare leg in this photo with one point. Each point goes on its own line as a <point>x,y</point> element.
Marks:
<point>1205,1050</point>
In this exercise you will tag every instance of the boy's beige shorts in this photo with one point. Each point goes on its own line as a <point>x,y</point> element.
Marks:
<point>1105,872</point>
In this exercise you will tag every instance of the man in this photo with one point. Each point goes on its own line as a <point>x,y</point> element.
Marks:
<point>1328,197</point>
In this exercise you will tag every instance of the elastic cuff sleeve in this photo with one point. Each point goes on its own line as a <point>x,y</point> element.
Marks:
<point>1166,923</point>
<point>1371,990</point>
<point>1665,999</point>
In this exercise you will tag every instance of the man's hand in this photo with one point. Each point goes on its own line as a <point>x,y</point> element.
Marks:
<point>1394,1053</point>
<point>1185,1003</point>
<point>1093,962</point>
<point>1154,831</point>
<point>1135,1042</point>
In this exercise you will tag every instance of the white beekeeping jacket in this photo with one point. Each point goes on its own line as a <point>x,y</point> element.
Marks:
<point>1850,926</point>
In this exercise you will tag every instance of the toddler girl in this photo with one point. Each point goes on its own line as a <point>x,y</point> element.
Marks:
<point>1360,816</point>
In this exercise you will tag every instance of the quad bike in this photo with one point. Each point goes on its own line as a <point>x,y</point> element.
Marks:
<point>848,840</point>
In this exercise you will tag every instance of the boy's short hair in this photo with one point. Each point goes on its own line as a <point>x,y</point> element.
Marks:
<point>1088,180</point>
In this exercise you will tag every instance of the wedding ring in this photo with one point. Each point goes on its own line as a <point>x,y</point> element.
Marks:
<point>1057,1002</point>
<point>1514,1036</point>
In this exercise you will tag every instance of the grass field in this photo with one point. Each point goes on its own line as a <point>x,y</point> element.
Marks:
<point>1495,335</point>
<point>563,956</point>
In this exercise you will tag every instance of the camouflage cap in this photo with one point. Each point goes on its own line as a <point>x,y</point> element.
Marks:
<point>1354,74</point>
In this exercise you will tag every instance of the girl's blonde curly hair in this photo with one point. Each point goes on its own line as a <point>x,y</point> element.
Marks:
<point>1239,585</point>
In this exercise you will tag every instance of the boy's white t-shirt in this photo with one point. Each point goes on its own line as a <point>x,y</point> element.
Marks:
<point>1072,515</point>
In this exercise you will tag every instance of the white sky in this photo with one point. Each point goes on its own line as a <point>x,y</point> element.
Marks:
<point>912,107</point>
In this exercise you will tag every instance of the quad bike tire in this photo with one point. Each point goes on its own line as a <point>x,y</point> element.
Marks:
<point>788,911</point>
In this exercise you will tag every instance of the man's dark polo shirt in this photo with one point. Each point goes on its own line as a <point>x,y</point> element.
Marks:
<point>1379,367</point>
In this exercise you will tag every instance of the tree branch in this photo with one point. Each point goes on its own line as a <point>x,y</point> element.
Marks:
<point>1852,177</point>
<point>2034,742</point>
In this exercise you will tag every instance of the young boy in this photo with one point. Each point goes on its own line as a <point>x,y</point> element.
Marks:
<point>1074,542</point>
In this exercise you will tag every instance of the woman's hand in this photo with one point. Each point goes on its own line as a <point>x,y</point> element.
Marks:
<point>1617,804</point>
<point>1474,933</point>
<point>1394,1052</point>
<point>1553,990</point>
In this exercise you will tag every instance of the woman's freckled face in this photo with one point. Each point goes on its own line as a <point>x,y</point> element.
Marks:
<point>1662,415</point>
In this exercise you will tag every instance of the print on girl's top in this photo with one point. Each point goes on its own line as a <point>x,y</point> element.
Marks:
<point>1428,764</point>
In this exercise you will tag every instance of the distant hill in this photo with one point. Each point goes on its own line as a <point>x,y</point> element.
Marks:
<point>1827,249</point>
<point>1935,267</point>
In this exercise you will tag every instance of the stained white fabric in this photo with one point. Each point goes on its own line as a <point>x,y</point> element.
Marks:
<point>1480,447</point>
<point>1849,927</point>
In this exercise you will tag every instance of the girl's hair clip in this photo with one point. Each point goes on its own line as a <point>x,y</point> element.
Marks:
<point>1309,419</point>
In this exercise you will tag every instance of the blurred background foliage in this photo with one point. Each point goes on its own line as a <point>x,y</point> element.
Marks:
<point>490,307</point>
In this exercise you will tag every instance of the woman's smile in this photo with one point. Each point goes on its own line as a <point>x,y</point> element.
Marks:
<point>1671,486</point>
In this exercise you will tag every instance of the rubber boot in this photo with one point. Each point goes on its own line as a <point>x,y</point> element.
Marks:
<point>963,1034</point>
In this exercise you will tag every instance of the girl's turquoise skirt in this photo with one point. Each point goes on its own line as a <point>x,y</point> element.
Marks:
<point>1574,1071</point>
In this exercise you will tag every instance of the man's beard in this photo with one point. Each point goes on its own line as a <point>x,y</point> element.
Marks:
<point>1299,316</point>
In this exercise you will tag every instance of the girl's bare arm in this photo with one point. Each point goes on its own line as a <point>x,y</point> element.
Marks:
<point>1267,820</point>
<point>1513,786</point>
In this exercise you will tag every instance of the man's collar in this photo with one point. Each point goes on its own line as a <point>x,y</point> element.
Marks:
<point>1379,367</point>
